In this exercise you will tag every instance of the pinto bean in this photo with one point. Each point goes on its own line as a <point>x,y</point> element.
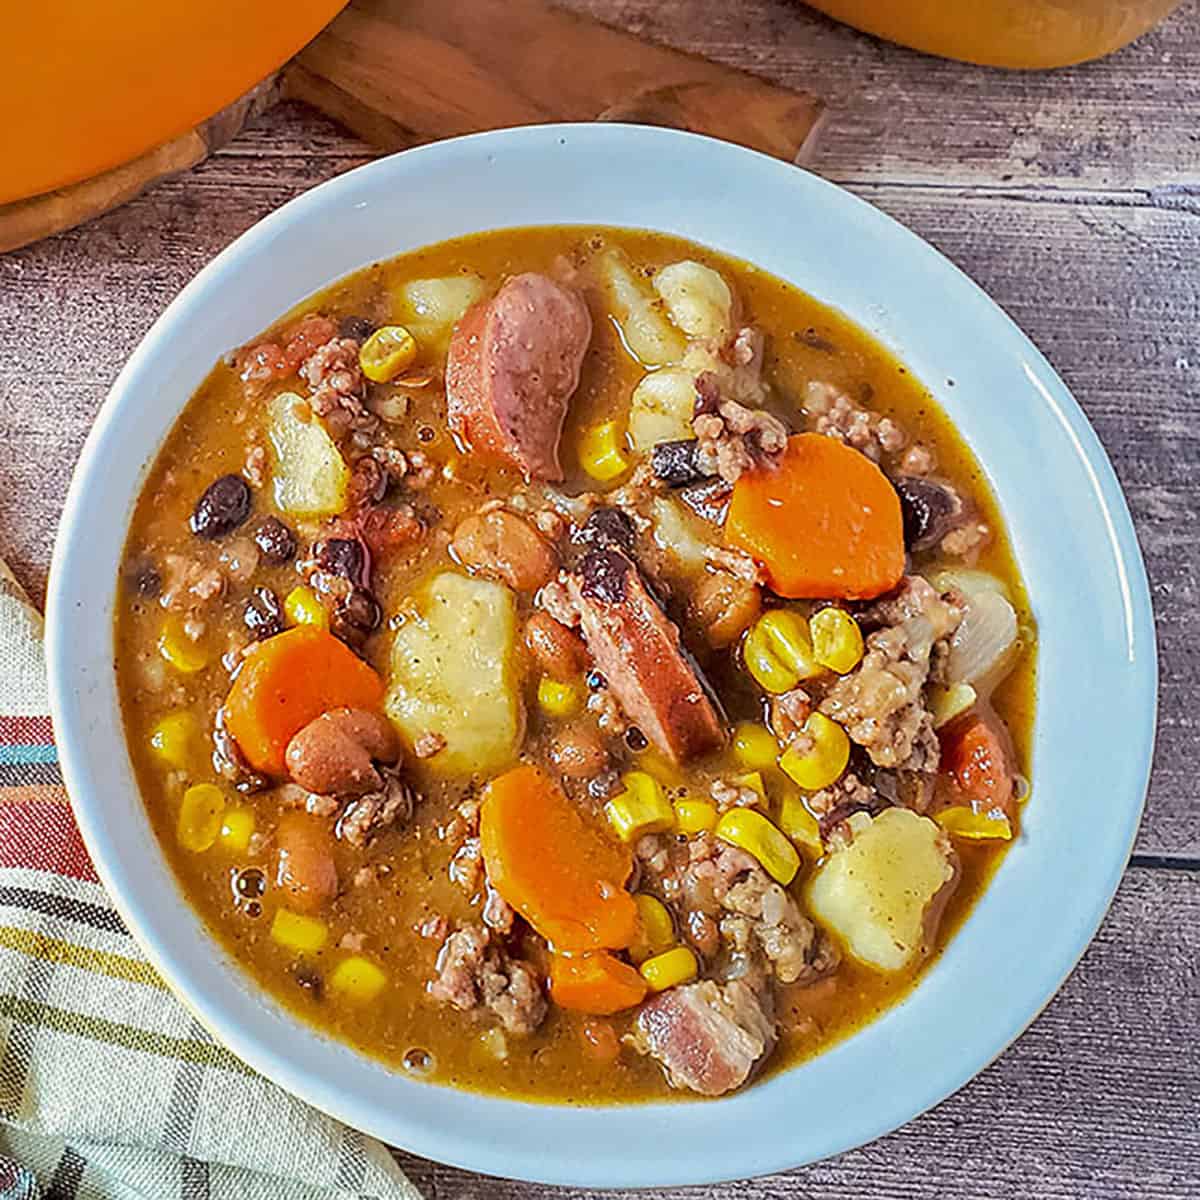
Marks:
<point>578,752</point>
<point>723,605</point>
<point>557,650</point>
<point>503,546</point>
<point>304,866</point>
<point>334,753</point>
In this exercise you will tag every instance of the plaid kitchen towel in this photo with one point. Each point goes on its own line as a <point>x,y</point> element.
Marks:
<point>109,1090</point>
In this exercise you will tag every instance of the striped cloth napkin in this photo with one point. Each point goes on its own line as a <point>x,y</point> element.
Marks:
<point>109,1089</point>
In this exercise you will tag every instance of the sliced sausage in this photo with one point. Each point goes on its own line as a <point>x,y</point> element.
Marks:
<point>513,365</point>
<point>637,649</point>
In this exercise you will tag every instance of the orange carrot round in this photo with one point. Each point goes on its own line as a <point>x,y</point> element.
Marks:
<point>556,868</point>
<point>977,754</point>
<point>600,984</point>
<point>824,522</point>
<point>289,680</point>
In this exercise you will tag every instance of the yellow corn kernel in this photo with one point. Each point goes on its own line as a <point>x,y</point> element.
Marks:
<point>798,823</point>
<point>695,816</point>
<point>672,967</point>
<point>825,761</point>
<point>641,808</point>
<point>173,738</point>
<point>559,699</point>
<point>303,608</point>
<point>179,649</point>
<point>357,978</point>
<point>200,817</point>
<point>755,746</point>
<point>777,651</point>
<point>946,703</point>
<point>601,453</point>
<point>386,353</point>
<point>295,931</point>
<point>963,821</point>
<point>751,831</point>
<point>236,827</point>
<point>753,780</point>
<point>837,641</point>
<point>656,930</point>
<point>655,763</point>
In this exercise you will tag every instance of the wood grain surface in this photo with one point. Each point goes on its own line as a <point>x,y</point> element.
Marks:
<point>1074,199</point>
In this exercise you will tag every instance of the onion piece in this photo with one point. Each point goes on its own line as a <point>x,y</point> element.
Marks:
<point>984,645</point>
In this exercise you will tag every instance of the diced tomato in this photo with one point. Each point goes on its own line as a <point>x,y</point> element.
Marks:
<point>977,754</point>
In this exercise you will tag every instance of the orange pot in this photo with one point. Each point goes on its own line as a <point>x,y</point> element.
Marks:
<point>97,84</point>
<point>1005,33</point>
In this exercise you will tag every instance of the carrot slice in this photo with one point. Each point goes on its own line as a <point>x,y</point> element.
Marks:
<point>824,522</point>
<point>600,984</point>
<point>287,681</point>
<point>557,869</point>
<point>977,754</point>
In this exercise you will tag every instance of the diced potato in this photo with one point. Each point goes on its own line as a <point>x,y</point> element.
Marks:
<point>310,475</point>
<point>453,672</point>
<point>648,334</point>
<point>674,534</point>
<point>698,300</point>
<point>660,409</point>
<point>884,894</point>
<point>429,308</point>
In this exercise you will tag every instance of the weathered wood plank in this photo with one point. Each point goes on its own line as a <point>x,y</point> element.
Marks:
<point>1097,1101</point>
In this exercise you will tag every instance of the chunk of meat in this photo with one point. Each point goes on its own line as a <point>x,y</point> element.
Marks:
<point>881,703</point>
<point>334,753</point>
<point>472,973</point>
<point>638,650</point>
<point>392,804</point>
<point>512,367</point>
<point>708,1037</point>
<point>835,415</point>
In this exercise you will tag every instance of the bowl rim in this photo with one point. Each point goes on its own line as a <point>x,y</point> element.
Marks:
<point>556,1150</point>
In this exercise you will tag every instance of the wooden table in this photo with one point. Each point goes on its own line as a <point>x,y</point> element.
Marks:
<point>1074,199</point>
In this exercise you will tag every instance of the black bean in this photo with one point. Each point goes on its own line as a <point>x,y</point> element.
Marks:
<point>358,328</point>
<point>635,739</point>
<point>930,510</point>
<point>145,579</point>
<point>344,557</point>
<point>606,527</point>
<point>676,463</point>
<point>223,507</point>
<point>355,617</point>
<point>275,541</point>
<point>263,614</point>
<point>605,574</point>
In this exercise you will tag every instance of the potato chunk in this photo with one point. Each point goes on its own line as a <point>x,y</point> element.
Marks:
<point>660,409</point>
<point>884,894</point>
<point>310,475</point>
<point>647,333</point>
<point>698,300</point>
<point>453,673</point>
<point>429,308</point>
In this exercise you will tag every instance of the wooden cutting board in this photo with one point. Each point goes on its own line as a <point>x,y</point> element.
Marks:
<point>399,72</point>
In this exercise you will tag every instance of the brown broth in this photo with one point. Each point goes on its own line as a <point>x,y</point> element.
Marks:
<point>806,340</point>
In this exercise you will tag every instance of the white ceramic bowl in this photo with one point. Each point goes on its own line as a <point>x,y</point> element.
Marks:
<point>1069,524</point>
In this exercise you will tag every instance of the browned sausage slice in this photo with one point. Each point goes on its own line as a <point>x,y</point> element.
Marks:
<point>637,649</point>
<point>513,365</point>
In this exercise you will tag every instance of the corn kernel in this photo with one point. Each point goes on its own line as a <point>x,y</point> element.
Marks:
<point>295,931</point>
<point>777,651</point>
<point>754,746</point>
<point>946,703</point>
<point>655,763</point>
<point>672,967</point>
<point>357,978</point>
<point>641,808</point>
<point>386,353</point>
<point>753,780</point>
<point>173,738</point>
<point>963,821</point>
<point>303,608</point>
<point>825,761</point>
<point>559,699</point>
<point>200,817</point>
<point>751,831</point>
<point>798,823</point>
<point>492,1044</point>
<point>179,649</point>
<point>601,453</point>
<point>837,640</point>
<point>237,825</point>
<point>695,816</point>
<point>656,930</point>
